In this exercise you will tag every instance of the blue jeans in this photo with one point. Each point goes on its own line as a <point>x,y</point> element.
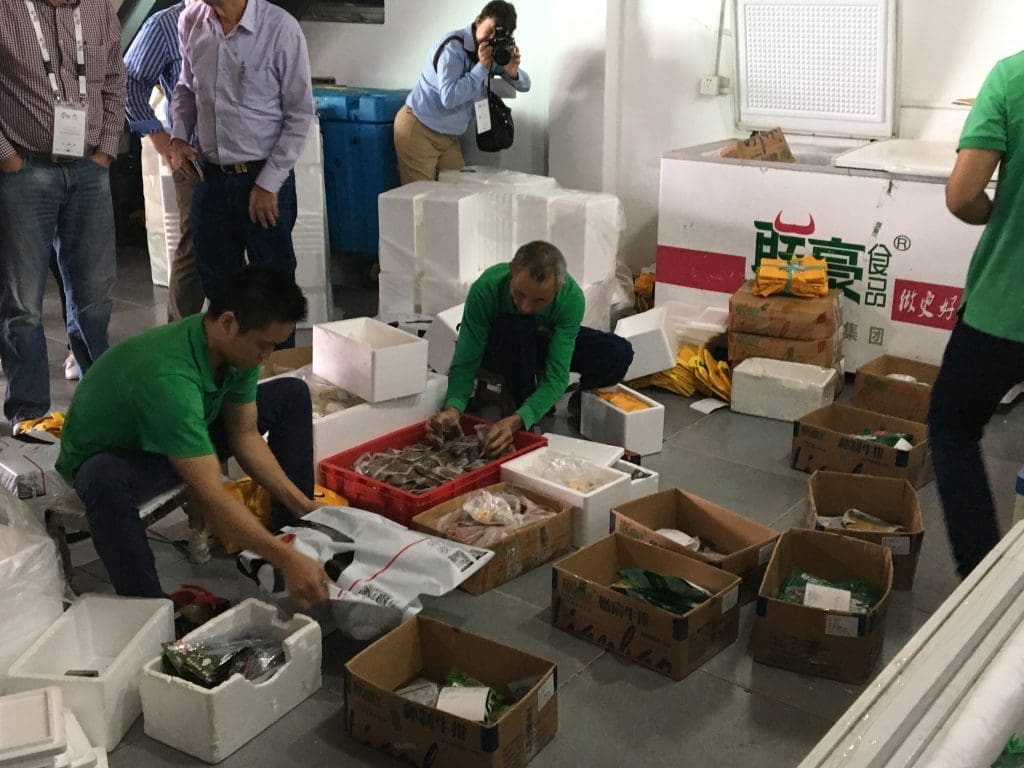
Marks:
<point>67,208</point>
<point>114,484</point>
<point>977,370</point>
<point>222,232</point>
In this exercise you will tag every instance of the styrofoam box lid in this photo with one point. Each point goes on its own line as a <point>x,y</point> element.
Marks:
<point>32,726</point>
<point>799,373</point>
<point>602,454</point>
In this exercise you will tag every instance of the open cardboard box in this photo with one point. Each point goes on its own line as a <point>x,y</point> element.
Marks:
<point>746,544</point>
<point>285,361</point>
<point>873,390</point>
<point>584,604</point>
<point>522,550</point>
<point>831,494</point>
<point>824,439</point>
<point>839,645</point>
<point>422,735</point>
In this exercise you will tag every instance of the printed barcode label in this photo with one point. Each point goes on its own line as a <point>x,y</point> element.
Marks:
<point>841,626</point>
<point>898,545</point>
<point>379,596</point>
<point>547,690</point>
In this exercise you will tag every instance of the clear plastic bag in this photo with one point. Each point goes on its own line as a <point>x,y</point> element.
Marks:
<point>327,398</point>
<point>485,518</point>
<point>568,471</point>
<point>211,662</point>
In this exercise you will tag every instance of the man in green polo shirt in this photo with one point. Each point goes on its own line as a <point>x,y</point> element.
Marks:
<point>522,320</point>
<point>164,407</point>
<point>985,354</point>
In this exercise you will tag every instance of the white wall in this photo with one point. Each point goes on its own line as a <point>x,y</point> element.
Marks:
<point>615,81</point>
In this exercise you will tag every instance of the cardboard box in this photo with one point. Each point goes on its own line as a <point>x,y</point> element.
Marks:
<point>873,390</point>
<point>762,145</point>
<point>589,509</point>
<point>285,361</point>
<point>442,336</point>
<point>831,494</point>
<point>777,389</point>
<point>642,481</point>
<point>834,644</point>
<point>785,317</point>
<point>823,352</point>
<point>824,439</point>
<point>639,432</point>
<point>584,604</point>
<point>422,735</point>
<point>370,359</point>
<point>212,723</point>
<point>746,544</point>
<point>652,336</point>
<point>521,551</point>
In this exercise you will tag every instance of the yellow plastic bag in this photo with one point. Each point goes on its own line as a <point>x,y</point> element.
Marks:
<point>52,424</point>
<point>696,370</point>
<point>806,277</point>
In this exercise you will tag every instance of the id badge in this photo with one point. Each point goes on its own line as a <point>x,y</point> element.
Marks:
<point>483,115</point>
<point>69,130</point>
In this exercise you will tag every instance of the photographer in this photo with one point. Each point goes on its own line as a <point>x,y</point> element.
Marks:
<point>441,104</point>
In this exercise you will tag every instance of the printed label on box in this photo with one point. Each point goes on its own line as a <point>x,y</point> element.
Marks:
<point>826,598</point>
<point>898,545</point>
<point>841,626</point>
<point>547,690</point>
<point>765,553</point>
<point>729,599</point>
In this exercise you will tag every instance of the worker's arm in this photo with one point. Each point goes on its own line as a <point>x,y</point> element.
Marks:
<point>965,191</point>
<point>305,578</point>
<point>255,457</point>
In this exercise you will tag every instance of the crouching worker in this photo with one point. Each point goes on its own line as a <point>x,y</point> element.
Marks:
<point>166,406</point>
<point>522,322</point>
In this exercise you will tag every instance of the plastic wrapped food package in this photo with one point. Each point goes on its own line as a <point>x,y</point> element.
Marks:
<point>213,661</point>
<point>693,543</point>
<point>568,471</point>
<point>670,593</point>
<point>901,441</point>
<point>327,398</point>
<point>486,518</point>
<point>622,400</point>
<point>807,277</point>
<point>1013,754</point>
<point>465,697</point>
<point>862,596</point>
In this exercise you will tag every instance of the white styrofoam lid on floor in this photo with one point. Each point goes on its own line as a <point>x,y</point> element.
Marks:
<point>82,753</point>
<point>32,726</point>
<point>911,157</point>
<point>602,454</point>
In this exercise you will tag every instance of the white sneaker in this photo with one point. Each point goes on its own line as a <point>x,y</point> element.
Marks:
<point>71,369</point>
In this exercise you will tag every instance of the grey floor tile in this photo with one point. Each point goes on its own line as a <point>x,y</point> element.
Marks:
<point>219,575</point>
<point>533,587</point>
<point>129,319</point>
<point>1004,437</point>
<point>750,440</point>
<point>618,714</point>
<point>678,413</point>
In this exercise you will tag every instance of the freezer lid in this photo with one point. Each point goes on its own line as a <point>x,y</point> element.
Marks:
<point>906,157</point>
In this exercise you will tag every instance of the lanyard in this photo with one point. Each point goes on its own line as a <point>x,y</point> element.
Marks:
<point>48,63</point>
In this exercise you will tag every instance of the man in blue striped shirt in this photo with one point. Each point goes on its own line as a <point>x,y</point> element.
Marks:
<point>154,59</point>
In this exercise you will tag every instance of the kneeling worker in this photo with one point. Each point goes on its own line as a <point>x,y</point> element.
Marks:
<point>164,407</point>
<point>521,319</point>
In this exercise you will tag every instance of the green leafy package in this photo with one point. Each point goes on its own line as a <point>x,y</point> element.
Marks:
<point>862,596</point>
<point>668,592</point>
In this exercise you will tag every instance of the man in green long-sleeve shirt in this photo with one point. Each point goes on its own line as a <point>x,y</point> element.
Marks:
<point>522,320</point>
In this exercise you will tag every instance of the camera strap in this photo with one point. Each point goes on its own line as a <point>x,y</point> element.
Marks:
<point>471,55</point>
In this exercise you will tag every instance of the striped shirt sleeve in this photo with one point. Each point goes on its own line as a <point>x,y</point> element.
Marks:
<point>154,48</point>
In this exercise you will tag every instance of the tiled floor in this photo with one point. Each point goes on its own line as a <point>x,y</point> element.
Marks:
<point>731,712</point>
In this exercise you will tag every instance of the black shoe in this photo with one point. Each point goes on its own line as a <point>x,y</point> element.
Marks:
<point>575,408</point>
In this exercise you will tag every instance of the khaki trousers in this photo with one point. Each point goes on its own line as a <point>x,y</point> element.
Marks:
<point>422,153</point>
<point>184,293</point>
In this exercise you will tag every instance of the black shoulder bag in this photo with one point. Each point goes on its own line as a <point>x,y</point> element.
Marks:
<point>502,131</point>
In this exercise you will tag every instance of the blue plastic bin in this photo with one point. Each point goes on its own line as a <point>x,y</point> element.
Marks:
<point>359,161</point>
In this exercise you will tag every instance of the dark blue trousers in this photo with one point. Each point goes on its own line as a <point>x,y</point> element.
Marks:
<point>977,371</point>
<point>113,485</point>
<point>517,350</point>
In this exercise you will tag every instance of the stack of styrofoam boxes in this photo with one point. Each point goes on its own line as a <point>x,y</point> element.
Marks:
<point>590,509</point>
<point>211,723</point>
<point>778,389</point>
<point>163,223</point>
<point>37,731</point>
<point>309,236</point>
<point>696,326</point>
<point>441,337</point>
<point>642,481</point>
<point>653,339</point>
<point>453,249</point>
<point>485,174</point>
<point>638,431</point>
<point>110,636</point>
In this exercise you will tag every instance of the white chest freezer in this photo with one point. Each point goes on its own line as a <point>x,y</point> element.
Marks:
<point>875,212</point>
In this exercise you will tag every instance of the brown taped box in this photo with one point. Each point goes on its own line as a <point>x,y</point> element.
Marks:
<point>285,360</point>
<point>834,644</point>
<point>831,494</point>
<point>824,439</point>
<point>584,604</point>
<point>873,390</point>
<point>423,735</point>
<point>823,352</point>
<point>761,145</point>
<point>747,545</point>
<point>521,551</point>
<point>785,317</point>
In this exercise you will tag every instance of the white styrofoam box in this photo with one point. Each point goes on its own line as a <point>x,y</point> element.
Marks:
<point>653,340</point>
<point>590,511</point>
<point>596,453</point>
<point>397,293</point>
<point>638,432</point>
<point>598,311</point>
<point>439,294</point>
<point>112,635</point>
<point>32,728</point>
<point>163,224</point>
<point>212,723</point>
<point>441,337</point>
<point>693,325</point>
<point>451,232</point>
<point>400,213</point>
<point>309,235</point>
<point>642,486</point>
<point>32,591</point>
<point>585,227</point>
<point>485,174</point>
<point>778,389</point>
<point>80,751</point>
<point>370,359</point>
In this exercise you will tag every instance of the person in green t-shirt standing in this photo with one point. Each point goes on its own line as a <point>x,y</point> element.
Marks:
<point>985,354</point>
<point>165,407</point>
<point>522,321</point>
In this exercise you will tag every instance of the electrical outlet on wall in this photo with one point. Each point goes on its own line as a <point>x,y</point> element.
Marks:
<point>713,85</point>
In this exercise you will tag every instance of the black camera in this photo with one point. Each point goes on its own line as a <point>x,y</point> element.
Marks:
<point>501,46</point>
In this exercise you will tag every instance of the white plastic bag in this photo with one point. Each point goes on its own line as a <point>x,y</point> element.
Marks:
<point>379,568</point>
<point>568,471</point>
<point>31,584</point>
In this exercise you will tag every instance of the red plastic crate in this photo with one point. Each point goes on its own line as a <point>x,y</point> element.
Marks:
<point>401,506</point>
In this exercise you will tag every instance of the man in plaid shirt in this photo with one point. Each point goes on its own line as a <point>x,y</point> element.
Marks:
<point>62,93</point>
